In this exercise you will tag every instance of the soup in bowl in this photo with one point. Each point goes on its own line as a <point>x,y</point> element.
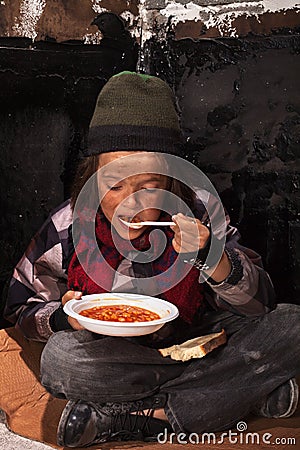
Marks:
<point>117,314</point>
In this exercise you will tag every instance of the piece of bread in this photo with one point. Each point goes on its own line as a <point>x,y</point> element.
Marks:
<point>195,348</point>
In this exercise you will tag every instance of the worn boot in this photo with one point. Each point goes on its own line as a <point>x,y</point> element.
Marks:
<point>85,423</point>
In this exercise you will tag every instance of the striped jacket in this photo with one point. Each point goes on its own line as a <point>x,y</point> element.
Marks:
<point>40,278</point>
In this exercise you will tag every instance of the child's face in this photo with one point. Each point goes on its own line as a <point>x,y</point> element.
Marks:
<point>136,197</point>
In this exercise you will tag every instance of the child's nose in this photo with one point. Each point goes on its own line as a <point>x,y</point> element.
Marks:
<point>131,200</point>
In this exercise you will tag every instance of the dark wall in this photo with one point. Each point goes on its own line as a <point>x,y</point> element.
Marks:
<point>47,96</point>
<point>240,107</point>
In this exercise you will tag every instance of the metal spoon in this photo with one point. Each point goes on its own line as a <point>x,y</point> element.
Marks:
<point>137,225</point>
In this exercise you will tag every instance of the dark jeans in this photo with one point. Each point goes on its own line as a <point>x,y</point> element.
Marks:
<point>208,394</point>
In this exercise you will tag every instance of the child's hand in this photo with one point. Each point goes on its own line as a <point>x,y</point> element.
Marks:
<point>71,295</point>
<point>190,234</point>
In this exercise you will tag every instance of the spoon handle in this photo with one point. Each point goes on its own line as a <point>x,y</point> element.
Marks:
<point>162,224</point>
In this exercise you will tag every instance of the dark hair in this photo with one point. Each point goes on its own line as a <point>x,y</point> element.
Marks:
<point>89,165</point>
<point>86,168</point>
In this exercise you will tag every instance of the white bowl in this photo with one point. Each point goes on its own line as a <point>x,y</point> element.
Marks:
<point>167,311</point>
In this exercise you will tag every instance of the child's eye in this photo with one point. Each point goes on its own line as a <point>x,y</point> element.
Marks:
<point>150,190</point>
<point>114,188</point>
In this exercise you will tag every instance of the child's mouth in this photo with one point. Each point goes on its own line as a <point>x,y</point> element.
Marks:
<point>129,219</point>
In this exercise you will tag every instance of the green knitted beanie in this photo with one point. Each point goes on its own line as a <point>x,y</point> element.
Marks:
<point>134,112</point>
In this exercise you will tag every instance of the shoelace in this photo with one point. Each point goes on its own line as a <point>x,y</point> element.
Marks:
<point>130,425</point>
<point>124,425</point>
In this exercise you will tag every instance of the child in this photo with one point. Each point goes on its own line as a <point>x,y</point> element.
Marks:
<point>121,388</point>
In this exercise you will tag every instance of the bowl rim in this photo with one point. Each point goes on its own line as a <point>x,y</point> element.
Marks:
<point>69,311</point>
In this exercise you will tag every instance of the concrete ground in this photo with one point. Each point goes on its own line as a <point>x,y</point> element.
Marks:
<point>286,431</point>
<point>11,441</point>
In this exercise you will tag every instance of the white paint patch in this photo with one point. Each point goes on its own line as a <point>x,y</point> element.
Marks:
<point>30,13</point>
<point>216,16</point>
<point>280,5</point>
<point>96,5</point>
<point>148,20</point>
<point>92,38</point>
<point>223,16</point>
<point>128,17</point>
<point>130,23</point>
<point>145,22</point>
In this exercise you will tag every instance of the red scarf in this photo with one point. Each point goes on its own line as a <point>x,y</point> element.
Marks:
<point>187,295</point>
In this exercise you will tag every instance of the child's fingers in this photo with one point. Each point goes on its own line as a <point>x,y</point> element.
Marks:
<point>70,295</point>
<point>189,233</point>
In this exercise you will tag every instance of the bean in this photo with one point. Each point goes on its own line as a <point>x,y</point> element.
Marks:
<point>120,313</point>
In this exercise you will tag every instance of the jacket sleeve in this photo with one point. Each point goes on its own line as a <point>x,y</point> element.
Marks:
<point>248,290</point>
<point>39,279</point>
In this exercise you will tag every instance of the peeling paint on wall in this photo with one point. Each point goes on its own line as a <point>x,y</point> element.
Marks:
<point>279,5</point>
<point>96,6</point>
<point>146,25</point>
<point>222,16</point>
<point>94,38</point>
<point>67,19</point>
<point>30,13</point>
